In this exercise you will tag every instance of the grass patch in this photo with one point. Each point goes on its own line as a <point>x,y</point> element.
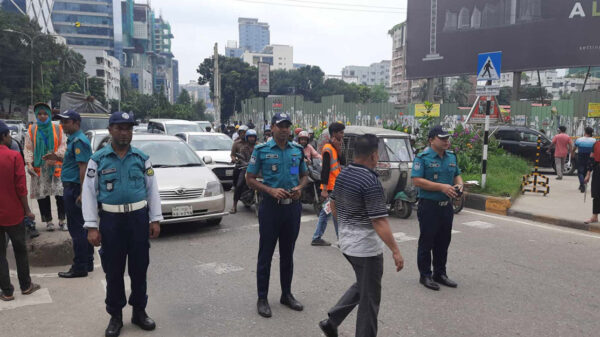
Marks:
<point>504,175</point>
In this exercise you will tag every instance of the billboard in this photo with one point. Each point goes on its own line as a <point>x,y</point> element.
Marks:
<point>263,77</point>
<point>444,37</point>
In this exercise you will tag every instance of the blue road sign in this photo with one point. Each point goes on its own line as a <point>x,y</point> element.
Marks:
<point>488,66</point>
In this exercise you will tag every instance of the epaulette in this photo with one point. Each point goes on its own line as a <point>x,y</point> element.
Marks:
<point>140,153</point>
<point>260,146</point>
<point>421,154</point>
<point>298,146</point>
<point>98,155</point>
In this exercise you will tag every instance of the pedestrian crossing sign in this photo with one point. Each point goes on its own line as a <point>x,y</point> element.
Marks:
<point>488,66</point>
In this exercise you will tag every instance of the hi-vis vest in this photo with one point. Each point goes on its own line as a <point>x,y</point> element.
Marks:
<point>334,166</point>
<point>57,140</point>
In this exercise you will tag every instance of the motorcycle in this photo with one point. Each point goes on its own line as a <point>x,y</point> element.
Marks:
<point>249,196</point>
<point>311,192</point>
<point>406,200</point>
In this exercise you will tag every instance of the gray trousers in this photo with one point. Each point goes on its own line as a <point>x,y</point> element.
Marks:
<point>560,166</point>
<point>366,293</point>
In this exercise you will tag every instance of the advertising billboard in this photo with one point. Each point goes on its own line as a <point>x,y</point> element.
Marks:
<point>444,37</point>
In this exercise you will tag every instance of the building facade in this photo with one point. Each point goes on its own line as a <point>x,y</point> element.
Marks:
<point>375,74</point>
<point>90,24</point>
<point>232,50</point>
<point>198,91</point>
<point>99,64</point>
<point>254,36</point>
<point>280,57</point>
<point>38,10</point>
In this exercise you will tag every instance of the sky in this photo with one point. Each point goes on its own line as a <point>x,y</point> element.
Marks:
<point>330,39</point>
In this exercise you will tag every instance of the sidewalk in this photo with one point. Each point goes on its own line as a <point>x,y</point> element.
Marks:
<point>563,206</point>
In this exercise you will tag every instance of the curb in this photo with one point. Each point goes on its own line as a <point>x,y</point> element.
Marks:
<point>481,202</point>
<point>555,221</point>
<point>50,249</point>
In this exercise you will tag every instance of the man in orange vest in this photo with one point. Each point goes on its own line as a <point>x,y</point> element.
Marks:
<point>332,167</point>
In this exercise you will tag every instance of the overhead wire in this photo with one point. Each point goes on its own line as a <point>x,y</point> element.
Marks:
<point>321,7</point>
<point>344,4</point>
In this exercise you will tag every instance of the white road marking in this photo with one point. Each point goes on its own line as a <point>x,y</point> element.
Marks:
<point>13,273</point>
<point>41,296</point>
<point>479,224</point>
<point>402,237</point>
<point>455,231</point>
<point>548,227</point>
<point>218,268</point>
<point>127,281</point>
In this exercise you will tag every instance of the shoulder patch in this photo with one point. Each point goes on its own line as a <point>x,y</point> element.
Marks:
<point>77,150</point>
<point>417,165</point>
<point>252,160</point>
<point>91,173</point>
<point>150,171</point>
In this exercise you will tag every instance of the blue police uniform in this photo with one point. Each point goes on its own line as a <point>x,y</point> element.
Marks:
<point>278,220</point>
<point>78,151</point>
<point>435,211</point>
<point>127,192</point>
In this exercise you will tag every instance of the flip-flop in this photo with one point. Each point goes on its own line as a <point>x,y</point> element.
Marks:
<point>6,298</point>
<point>32,288</point>
<point>587,222</point>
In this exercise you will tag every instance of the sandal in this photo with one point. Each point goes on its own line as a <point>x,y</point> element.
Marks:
<point>32,288</point>
<point>6,298</point>
<point>587,222</point>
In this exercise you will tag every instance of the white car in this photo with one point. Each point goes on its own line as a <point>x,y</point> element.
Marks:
<point>96,137</point>
<point>172,126</point>
<point>204,124</point>
<point>214,149</point>
<point>189,190</point>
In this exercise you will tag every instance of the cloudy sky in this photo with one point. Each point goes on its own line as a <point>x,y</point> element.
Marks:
<point>330,39</point>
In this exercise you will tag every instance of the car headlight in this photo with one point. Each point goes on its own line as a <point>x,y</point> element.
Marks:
<point>213,188</point>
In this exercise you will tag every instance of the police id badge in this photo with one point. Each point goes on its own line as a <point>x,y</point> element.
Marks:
<point>274,168</point>
<point>109,186</point>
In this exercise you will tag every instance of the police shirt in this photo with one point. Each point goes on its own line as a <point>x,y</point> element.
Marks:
<point>78,151</point>
<point>429,165</point>
<point>280,168</point>
<point>117,181</point>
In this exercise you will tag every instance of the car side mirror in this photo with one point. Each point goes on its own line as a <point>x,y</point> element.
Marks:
<point>207,159</point>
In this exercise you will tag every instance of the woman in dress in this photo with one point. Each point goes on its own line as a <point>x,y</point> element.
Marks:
<point>45,137</point>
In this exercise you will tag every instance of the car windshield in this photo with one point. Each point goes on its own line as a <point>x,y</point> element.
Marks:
<point>397,149</point>
<point>91,123</point>
<point>210,142</point>
<point>203,125</point>
<point>98,139</point>
<point>177,128</point>
<point>168,153</point>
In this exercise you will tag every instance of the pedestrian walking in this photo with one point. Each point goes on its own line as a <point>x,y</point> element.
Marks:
<point>121,180</point>
<point>284,175</point>
<point>562,145</point>
<point>359,205</point>
<point>13,209</point>
<point>43,138</point>
<point>437,175</point>
<point>332,166</point>
<point>593,173</point>
<point>74,167</point>
<point>585,147</point>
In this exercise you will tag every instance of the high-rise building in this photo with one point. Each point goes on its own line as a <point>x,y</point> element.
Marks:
<point>90,24</point>
<point>163,66</point>
<point>198,91</point>
<point>375,74</point>
<point>278,56</point>
<point>232,50</point>
<point>38,10</point>
<point>254,36</point>
<point>99,64</point>
<point>175,78</point>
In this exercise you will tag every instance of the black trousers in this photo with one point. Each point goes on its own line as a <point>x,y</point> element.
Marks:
<point>365,292</point>
<point>16,234</point>
<point>435,223</point>
<point>46,209</point>
<point>83,251</point>
<point>277,223</point>
<point>240,184</point>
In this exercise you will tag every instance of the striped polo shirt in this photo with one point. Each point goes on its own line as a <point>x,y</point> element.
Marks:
<point>359,198</point>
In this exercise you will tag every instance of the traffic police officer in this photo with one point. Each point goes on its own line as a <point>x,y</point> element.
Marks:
<point>74,167</point>
<point>285,174</point>
<point>436,173</point>
<point>121,180</point>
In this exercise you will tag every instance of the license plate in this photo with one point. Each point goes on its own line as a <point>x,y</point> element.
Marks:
<point>182,211</point>
<point>228,172</point>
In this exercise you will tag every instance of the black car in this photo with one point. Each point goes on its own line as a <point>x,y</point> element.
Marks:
<point>522,141</point>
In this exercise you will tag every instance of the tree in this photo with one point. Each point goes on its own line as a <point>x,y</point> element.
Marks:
<point>96,89</point>
<point>460,91</point>
<point>505,96</point>
<point>379,94</point>
<point>184,98</point>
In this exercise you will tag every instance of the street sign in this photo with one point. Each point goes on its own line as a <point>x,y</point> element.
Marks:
<point>488,66</point>
<point>477,115</point>
<point>488,90</point>
<point>263,77</point>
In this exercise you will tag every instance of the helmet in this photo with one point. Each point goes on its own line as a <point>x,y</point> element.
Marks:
<point>250,133</point>
<point>243,128</point>
<point>303,134</point>
<point>298,130</point>
<point>237,127</point>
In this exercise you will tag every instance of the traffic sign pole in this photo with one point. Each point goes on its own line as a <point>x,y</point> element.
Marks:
<point>486,134</point>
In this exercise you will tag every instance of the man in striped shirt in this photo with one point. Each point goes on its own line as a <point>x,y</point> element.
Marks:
<point>359,205</point>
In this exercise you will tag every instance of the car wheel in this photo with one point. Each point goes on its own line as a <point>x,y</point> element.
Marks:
<point>215,221</point>
<point>571,167</point>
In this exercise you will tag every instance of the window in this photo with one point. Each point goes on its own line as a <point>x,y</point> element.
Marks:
<point>99,60</point>
<point>99,72</point>
<point>507,135</point>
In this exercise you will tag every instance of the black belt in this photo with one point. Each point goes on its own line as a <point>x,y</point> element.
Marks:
<point>435,202</point>
<point>71,184</point>
<point>288,201</point>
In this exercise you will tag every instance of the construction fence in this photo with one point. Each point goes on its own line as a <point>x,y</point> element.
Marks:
<point>573,113</point>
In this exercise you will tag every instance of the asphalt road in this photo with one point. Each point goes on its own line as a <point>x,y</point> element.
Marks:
<point>516,278</point>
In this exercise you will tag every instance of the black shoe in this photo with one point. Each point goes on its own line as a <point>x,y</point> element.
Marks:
<point>443,279</point>
<point>289,301</point>
<point>263,307</point>
<point>33,233</point>
<point>328,329</point>
<point>90,268</point>
<point>319,242</point>
<point>72,274</point>
<point>428,283</point>
<point>582,188</point>
<point>114,326</point>
<point>141,319</point>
